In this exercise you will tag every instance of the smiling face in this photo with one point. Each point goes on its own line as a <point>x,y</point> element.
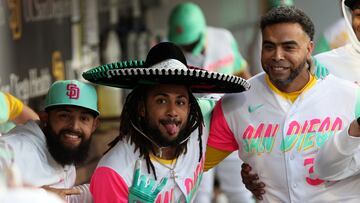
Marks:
<point>285,51</point>
<point>68,131</point>
<point>166,112</point>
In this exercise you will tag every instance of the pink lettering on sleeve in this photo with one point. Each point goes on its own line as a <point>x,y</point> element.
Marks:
<point>221,137</point>
<point>108,186</point>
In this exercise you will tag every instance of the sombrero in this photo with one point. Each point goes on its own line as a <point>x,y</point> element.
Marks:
<point>164,64</point>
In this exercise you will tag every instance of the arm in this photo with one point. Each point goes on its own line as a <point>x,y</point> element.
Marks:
<point>339,157</point>
<point>213,157</point>
<point>64,193</point>
<point>84,196</point>
<point>19,113</point>
<point>108,186</point>
<point>221,140</point>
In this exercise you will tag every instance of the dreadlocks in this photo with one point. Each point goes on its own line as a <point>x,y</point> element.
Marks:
<point>130,116</point>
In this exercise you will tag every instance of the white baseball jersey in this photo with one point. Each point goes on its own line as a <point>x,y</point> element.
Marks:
<point>114,174</point>
<point>343,62</point>
<point>280,139</point>
<point>37,166</point>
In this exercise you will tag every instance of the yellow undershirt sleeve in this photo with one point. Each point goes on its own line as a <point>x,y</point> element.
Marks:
<point>213,157</point>
<point>15,106</point>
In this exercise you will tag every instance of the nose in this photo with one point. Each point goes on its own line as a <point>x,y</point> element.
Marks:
<point>278,54</point>
<point>75,123</point>
<point>172,110</point>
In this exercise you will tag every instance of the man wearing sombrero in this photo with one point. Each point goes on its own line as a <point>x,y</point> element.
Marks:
<point>159,154</point>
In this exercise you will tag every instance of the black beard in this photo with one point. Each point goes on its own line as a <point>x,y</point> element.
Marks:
<point>62,154</point>
<point>155,134</point>
<point>293,74</point>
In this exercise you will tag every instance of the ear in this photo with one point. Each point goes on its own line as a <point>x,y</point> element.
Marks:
<point>96,124</point>
<point>310,49</point>
<point>44,116</point>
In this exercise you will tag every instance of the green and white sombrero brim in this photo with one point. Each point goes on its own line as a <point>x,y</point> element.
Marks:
<point>129,74</point>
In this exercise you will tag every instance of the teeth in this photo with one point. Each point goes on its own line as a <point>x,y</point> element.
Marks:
<point>72,136</point>
<point>278,68</point>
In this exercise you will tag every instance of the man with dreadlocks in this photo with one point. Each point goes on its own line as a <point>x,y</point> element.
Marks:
<point>161,125</point>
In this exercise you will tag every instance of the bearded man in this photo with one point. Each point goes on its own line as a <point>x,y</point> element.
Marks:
<point>46,152</point>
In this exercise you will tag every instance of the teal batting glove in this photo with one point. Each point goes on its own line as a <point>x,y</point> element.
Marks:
<point>143,188</point>
<point>320,70</point>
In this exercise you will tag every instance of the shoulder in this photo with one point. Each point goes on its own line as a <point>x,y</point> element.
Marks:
<point>108,186</point>
<point>339,84</point>
<point>121,158</point>
<point>334,53</point>
<point>257,84</point>
<point>29,132</point>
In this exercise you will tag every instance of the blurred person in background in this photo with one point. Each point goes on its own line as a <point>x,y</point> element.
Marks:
<point>214,49</point>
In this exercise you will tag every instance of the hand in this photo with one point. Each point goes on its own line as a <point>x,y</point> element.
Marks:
<point>143,188</point>
<point>320,70</point>
<point>62,192</point>
<point>251,181</point>
<point>354,129</point>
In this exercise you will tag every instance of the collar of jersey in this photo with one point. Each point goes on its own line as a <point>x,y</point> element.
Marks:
<point>163,161</point>
<point>292,95</point>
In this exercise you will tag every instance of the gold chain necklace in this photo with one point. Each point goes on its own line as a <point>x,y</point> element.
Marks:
<point>171,169</point>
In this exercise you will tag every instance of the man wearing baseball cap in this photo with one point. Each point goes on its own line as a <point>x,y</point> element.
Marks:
<point>201,44</point>
<point>46,152</point>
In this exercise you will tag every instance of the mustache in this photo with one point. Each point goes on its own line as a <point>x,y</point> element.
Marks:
<point>166,121</point>
<point>73,132</point>
<point>279,63</point>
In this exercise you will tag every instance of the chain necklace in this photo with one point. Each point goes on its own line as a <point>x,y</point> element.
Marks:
<point>171,169</point>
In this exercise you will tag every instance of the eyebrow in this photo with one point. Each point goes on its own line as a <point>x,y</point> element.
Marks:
<point>166,95</point>
<point>291,42</point>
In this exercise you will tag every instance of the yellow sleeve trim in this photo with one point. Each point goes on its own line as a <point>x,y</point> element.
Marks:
<point>15,106</point>
<point>213,157</point>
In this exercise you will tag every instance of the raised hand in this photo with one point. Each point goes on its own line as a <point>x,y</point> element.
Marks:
<point>62,192</point>
<point>320,70</point>
<point>354,129</point>
<point>143,188</point>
